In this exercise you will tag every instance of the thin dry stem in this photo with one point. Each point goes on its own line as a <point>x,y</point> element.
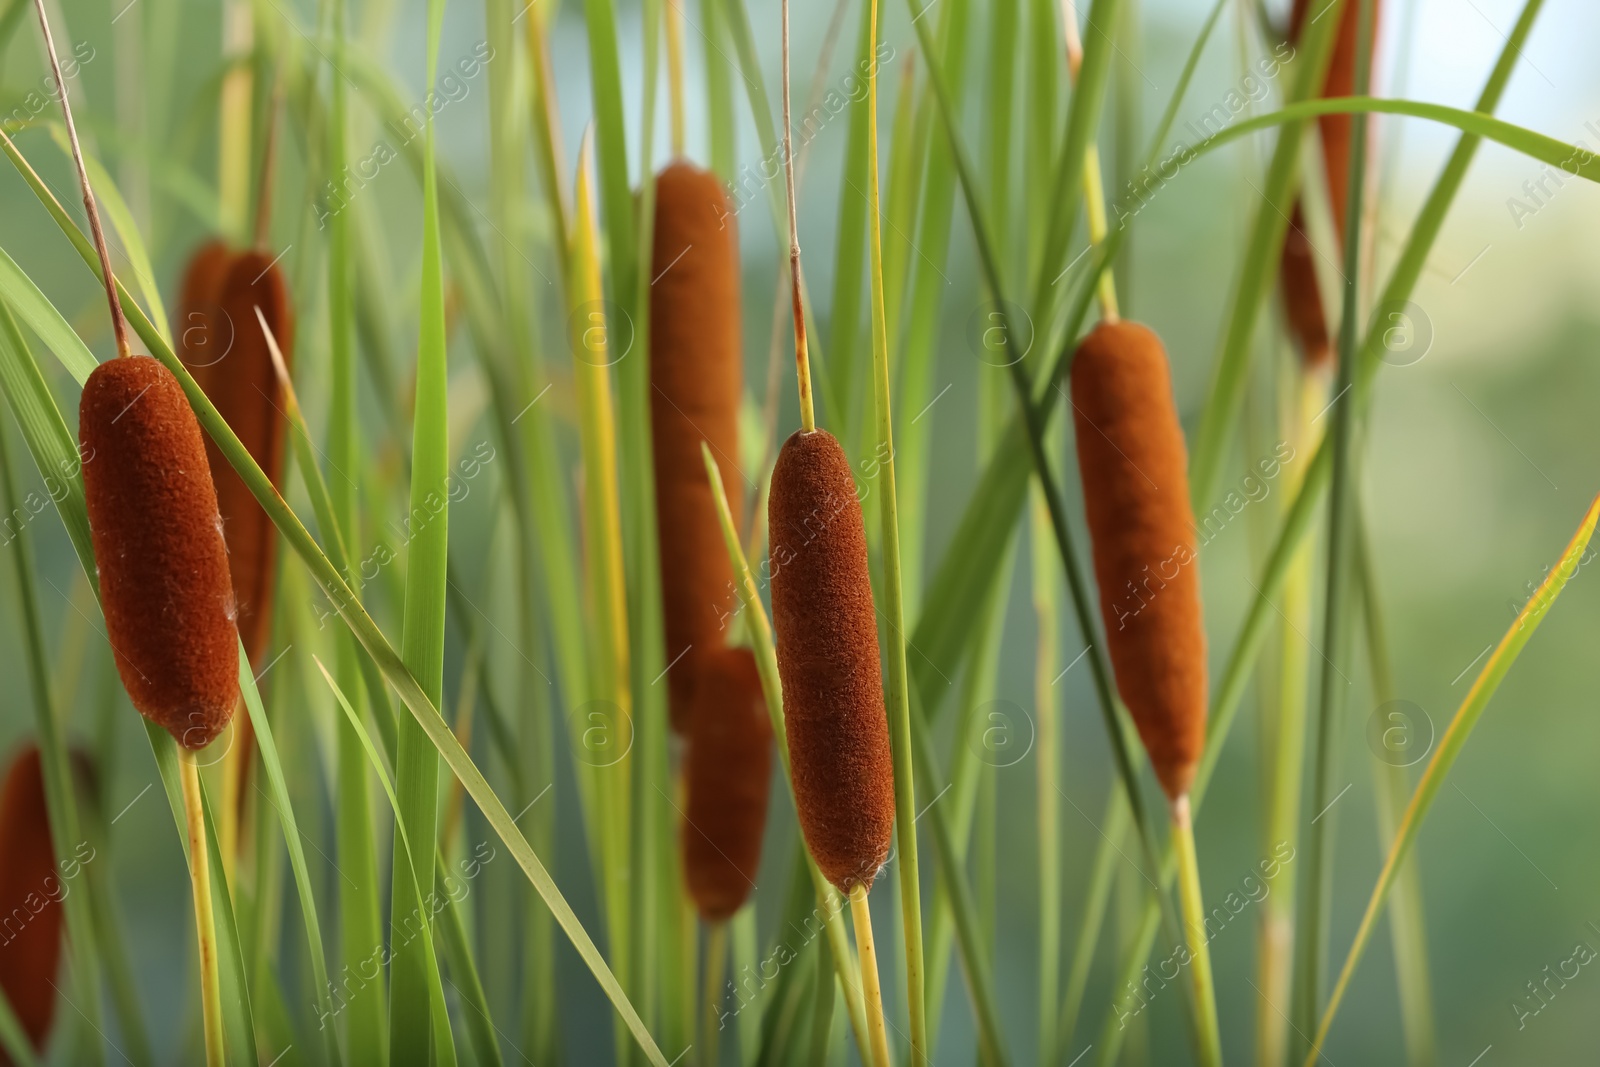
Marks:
<point>802,359</point>
<point>871,990</point>
<point>119,325</point>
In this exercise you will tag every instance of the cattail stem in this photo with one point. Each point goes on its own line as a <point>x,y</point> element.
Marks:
<point>1094,197</point>
<point>861,914</point>
<point>674,19</point>
<point>119,325</point>
<point>269,159</point>
<point>200,882</point>
<point>802,358</point>
<point>1194,917</point>
<point>897,695</point>
<point>716,968</point>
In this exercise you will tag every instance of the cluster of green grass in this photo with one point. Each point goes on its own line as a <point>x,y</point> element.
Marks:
<point>549,603</point>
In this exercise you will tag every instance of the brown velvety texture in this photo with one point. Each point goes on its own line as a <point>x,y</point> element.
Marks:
<point>30,900</point>
<point>828,660</point>
<point>158,547</point>
<point>1302,297</point>
<point>1136,495</point>
<point>221,293</point>
<point>696,374</point>
<point>727,773</point>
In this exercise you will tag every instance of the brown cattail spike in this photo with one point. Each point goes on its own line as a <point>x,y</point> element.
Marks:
<point>727,774</point>
<point>1302,295</point>
<point>31,890</point>
<point>696,373</point>
<point>1136,495</point>
<point>245,389</point>
<point>827,637</point>
<point>163,566</point>
<point>1302,299</point>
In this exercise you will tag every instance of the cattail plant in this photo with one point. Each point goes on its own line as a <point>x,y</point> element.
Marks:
<point>1134,468</point>
<point>827,642</point>
<point>165,589</point>
<point>30,899</point>
<point>696,379</point>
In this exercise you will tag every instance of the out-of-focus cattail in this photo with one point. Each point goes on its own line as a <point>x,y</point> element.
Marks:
<point>30,900</point>
<point>1340,81</point>
<point>1302,295</point>
<point>1297,270</point>
<point>1136,495</point>
<point>727,774</point>
<point>227,353</point>
<point>163,566</point>
<point>696,375</point>
<point>827,637</point>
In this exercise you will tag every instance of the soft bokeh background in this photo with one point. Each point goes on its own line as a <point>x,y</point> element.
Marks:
<point>1481,458</point>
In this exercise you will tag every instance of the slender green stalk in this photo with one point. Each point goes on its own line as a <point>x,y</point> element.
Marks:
<point>422,636</point>
<point>611,765</point>
<point>1047,775</point>
<point>760,628</point>
<point>719,89</point>
<point>1194,916</point>
<point>716,965</point>
<point>360,914</point>
<point>1113,829</point>
<point>897,696</point>
<point>200,885</point>
<point>1286,743</point>
<point>1311,945</point>
<point>1407,919</point>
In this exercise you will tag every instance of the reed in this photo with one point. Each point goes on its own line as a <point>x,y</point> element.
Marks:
<point>30,897</point>
<point>697,382</point>
<point>1133,464</point>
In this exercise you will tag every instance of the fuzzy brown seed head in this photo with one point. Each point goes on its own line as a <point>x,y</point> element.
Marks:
<point>1302,296</point>
<point>159,551</point>
<point>31,890</point>
<point>1136,495</point>
<point>827,637</point>
<point>696,379</point>
<point>226,351</point>
<point>727,772</point>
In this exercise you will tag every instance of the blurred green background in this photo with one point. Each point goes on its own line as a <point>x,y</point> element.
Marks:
<point>1480,461</point>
